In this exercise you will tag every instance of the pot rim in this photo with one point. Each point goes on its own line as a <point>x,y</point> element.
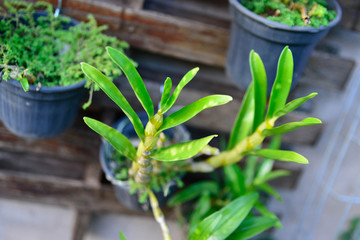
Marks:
<point>276,25</point>
<point>53,89</point>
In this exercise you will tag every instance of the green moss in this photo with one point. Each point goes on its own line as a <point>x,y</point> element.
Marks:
<point>47,53</point>
<point>285,12</point>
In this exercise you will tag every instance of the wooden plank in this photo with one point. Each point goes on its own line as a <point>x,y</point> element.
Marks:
<point>174,36</point>
<point>29,162</point>
<point>77,144</point>
<point>82,220</point>
<point>215,12</point>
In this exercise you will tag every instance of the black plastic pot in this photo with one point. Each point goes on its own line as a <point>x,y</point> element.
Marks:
<point>268,38</point>
<point>39,114</point>
<point>109,164</point>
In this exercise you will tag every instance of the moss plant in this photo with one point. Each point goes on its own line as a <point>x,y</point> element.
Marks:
<point>253,124</point>
<point>293,12</point>
<point>46,51</point>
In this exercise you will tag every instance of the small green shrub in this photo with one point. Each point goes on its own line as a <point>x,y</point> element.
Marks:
<point>45,51</point>
<point>293,12</point>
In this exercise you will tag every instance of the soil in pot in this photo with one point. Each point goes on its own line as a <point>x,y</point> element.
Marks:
<point>268,38</point>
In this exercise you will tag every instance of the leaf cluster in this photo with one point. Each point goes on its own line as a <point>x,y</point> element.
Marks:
<point>214,195</point>
<point>292,12</point>
<point>37,48</point>
<point>255,121</point>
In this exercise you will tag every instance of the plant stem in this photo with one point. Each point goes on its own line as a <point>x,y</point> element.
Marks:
<point>158,215</point>
<point>236,154</point>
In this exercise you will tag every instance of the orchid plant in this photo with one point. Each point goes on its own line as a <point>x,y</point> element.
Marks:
<point>255,121</point>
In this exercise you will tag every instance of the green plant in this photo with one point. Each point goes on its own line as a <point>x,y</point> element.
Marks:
<point>293,12</point>
<point>213,195</point>
<point>251,127</point>
<point>36,49</point>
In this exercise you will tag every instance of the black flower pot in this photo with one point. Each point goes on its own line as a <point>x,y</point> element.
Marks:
<point>109,164</point>
<point>39,114</point>
<point>268,38</point>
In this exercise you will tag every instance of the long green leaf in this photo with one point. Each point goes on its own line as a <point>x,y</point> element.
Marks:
<point>166,93</point>
<point>271,175</point>
<point>193,191</point>
<point>181,151</point>
<point>294,104</point>
<point>24,83</point>
<point>185,80</point>
<point>122,236</point>
<point>134,79</point>
<point>188,112</point>
<point>280,155</point>
<point>260,87</point>
<point>114,94</point>
<point>269,190</point>
<point>115,138</point>
<point>244,119</point>
<point>282,84</point>
<point>290,126</point>
<point>266,213</point>
<point>252,227</point>
<point>235,179</point>
<point>250,169</point>
<point>267,164</point>
<point>222,223</point>
<point>202,208</point>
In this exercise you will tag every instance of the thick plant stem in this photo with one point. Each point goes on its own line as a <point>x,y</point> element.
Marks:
<point>143,166</point>
<point>158,215</point>
<point>237,153</point>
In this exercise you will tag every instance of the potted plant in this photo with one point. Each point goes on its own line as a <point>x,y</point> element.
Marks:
<point>42,85</point>
<point>251,127</point>
<point>267,26</point>
<point>116,166</point>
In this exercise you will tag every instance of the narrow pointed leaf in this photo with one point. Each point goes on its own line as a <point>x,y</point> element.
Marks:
<point>188,112</point>
<point>202,208</point>
<point>266,213</point>
<point>115,138</point>
<point>267,164</point>
<point>122,236</point>
<point>252,227</point>
<point>294,104</point>
<point>134,79</point>
<point>250,169</point>
<point>290,126</point>
<point>24,83</point>
<point>271,175</point>
<point>166,93</point>
<point>280,155</point>
<point>260,88</point>
<point>222,223</point>
<point>193,191</point>
<point>185,80</point>
<point>282,84</point>
<point>114,94</point>
<point>244,119</point>
<point>181,151</point>
<point>269,190</point>
<point>235,179</point>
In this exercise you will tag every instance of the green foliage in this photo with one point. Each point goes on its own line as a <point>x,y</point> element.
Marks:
<point>181,151</point>
<point>289,12</point>
<point>224,207</point>
<point>222,223</point>
<point>191,110</point>
<point>46,51</point>
<point>119,141</point>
